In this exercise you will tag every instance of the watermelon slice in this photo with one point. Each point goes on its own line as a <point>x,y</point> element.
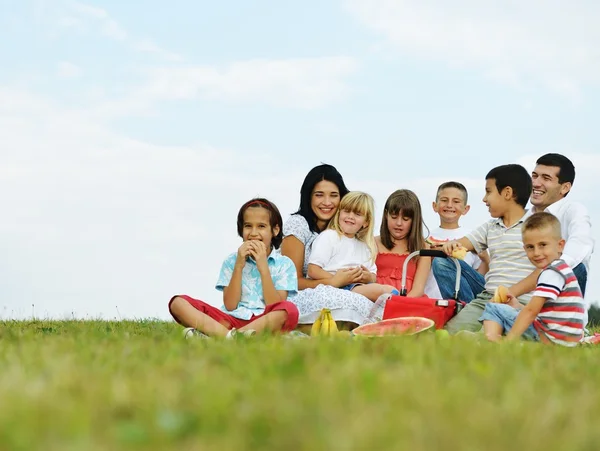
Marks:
<point>409,325</point>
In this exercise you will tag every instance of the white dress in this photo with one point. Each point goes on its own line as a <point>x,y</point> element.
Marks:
<point>344,305</point>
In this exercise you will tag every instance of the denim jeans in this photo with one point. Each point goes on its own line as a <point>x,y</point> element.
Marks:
<point>471,282</point>
<point>506,316</point>
<point>581,274</point>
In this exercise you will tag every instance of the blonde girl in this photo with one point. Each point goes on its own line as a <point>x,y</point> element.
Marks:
<point>349,243</point>
<point>402,232</point>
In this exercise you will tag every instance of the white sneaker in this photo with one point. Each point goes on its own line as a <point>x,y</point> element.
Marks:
<point>190,332</point>
<point>234,333</point>
<point>295,334</point>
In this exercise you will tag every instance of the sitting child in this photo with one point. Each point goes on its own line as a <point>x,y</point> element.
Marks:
<point>507,191</point>
<point>555,313</point>
<point>451,203</point>
<point>349,243</point>
<point>402,234</point>
<point>256,281</point>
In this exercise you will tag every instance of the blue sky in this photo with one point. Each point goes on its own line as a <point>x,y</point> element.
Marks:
<point>130,135</point>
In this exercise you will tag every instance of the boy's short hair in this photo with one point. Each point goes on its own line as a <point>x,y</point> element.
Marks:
<point>459,186</point>
<point>541,220</point>
<point>515,176</point>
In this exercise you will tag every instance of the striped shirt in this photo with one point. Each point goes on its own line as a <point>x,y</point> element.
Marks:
<point>561,318</point>
<point>508,261</point>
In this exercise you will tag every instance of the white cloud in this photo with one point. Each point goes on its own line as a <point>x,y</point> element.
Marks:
<point>305,83</point>
<point>89,10</point>
<point>147,46</point>
<point>553,44</point>
<point>112,29</point>
<point>66,69</point>
<point>97,220</point>
<point>83,18</point>
<point>301,82</point>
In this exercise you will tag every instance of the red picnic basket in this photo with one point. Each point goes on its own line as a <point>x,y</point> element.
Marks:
<point>438,310</point>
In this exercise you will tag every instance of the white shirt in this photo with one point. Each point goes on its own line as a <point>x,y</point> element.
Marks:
<point>332,251</point>
<point>576,229</point>
<point>440,236</point>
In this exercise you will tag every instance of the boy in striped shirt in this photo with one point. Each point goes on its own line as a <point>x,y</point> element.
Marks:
<point>555,313</point>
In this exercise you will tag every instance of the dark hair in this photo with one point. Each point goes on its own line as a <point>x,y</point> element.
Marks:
<point>457,185</point>
<point>566,170</point>
<point>406,203</point>
<point>274,216</point>
<point>541,220</point>
<point>314,176</point>
<point>515,176</point>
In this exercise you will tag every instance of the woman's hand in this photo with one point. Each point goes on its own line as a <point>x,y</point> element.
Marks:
<point>346,276</point>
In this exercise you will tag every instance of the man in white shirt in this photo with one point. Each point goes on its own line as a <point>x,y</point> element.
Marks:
<point>552,181</point>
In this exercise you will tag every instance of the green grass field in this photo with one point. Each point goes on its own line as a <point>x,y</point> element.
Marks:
<point>138,385</point>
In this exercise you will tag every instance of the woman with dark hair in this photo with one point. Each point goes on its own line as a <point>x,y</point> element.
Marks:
<point>320,196</point>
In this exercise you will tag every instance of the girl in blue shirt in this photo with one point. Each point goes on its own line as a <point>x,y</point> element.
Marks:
<point>256,282</point>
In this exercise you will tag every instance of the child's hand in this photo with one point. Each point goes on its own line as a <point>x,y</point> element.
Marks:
<point>258,251</point>
<point>346,276</point>
<point>451,246</point>
<point>244,251</point>
<point>513,301</point>
<point>365,276</point>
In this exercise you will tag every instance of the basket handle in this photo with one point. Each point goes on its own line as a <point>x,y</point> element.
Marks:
<point>430,253</point>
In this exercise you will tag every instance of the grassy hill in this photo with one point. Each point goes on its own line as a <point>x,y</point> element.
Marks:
<point>138,385</point>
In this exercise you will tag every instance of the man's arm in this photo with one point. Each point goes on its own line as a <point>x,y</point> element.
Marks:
<point>580,242</point>
<point>579,246</point>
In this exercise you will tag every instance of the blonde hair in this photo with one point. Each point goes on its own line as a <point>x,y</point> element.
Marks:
<point>361,203</point>
<point>542,220</point>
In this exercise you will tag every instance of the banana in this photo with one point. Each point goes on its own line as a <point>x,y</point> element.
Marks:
<point>315,330</point>
<point>332,326</point>
<point>324,325</point>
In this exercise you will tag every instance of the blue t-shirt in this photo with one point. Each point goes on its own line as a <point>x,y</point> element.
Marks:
<point>283,274</point>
